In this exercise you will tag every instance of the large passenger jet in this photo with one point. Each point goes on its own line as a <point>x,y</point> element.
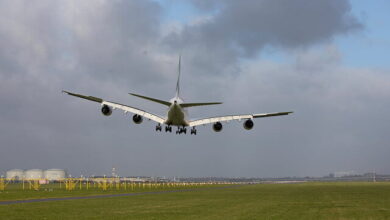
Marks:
<point>177,112</point>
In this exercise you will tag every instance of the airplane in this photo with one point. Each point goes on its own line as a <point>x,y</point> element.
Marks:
<point>177,114</point>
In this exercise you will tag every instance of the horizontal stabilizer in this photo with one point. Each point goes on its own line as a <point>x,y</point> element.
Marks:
<point>152,99</point>
<point>186,105</point>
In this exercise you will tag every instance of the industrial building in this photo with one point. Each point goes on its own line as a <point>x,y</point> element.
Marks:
<point>15,174</point>
<point>36,174</point>
<point>54,174</point>
<point>33,174</point>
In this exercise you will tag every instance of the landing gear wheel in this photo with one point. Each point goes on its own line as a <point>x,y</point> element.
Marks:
<point>158,127</point>
<point>181,130</point>
<point>193,131</point>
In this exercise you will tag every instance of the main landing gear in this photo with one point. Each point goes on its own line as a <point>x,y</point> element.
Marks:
<point>193,131</point>
<point>158,127</point>
<point>184,130</point>
<point>168,128</point>
<point>180,129</point>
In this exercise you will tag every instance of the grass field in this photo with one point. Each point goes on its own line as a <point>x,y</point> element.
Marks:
<point>261,201</point>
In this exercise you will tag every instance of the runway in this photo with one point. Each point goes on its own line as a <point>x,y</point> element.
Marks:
<point>10,202</point>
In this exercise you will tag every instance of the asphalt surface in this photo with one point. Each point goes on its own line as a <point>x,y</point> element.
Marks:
<point>10,202</point>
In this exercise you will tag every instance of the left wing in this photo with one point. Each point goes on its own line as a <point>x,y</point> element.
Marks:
<point>137,111</point>
<point>125,108</point>
<point>234,117</point>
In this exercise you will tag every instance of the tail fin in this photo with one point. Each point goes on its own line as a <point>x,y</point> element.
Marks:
<point>178,79</point>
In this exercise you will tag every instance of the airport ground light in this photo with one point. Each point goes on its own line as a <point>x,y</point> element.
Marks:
<point>99,184</point>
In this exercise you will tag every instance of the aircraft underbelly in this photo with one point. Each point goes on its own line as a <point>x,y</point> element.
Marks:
<point>176,116</point>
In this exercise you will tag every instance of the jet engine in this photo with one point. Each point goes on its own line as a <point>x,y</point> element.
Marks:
<point>248,124</point>
<point>217,126</point>
<point>106,110</point>
<point>137,119</point>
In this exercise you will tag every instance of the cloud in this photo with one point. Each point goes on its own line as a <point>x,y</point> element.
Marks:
<point>232,31</point>
<point>113,39</point>
<point>96,47</point>
<point>338,120</point>
<point>108,48</point>
<point>247,26</point>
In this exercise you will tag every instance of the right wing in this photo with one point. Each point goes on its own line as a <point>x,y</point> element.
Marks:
<point>234,117</point>
<point>125,108</point>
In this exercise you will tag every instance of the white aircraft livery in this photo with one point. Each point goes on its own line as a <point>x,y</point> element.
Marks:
<point>177,112</point>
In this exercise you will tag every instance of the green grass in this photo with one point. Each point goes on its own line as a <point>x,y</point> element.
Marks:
<point>262,201</point>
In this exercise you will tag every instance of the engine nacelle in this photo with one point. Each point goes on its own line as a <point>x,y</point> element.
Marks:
<point>217,126</point>
<point>248,124</point>
<point>106,110</point>
<point>137,119</point>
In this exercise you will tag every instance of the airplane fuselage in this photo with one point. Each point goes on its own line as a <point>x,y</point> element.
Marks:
<point>176,115</point>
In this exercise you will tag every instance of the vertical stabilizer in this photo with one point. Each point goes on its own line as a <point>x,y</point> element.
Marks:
<point>178,79</point>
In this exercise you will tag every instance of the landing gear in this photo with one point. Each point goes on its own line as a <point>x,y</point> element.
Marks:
<point>181,130</point>
<point>158,127</point>
<point>168,128</point>
<point>193,131</point>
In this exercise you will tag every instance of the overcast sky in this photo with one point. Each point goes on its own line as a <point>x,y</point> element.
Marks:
<point>326,60</point>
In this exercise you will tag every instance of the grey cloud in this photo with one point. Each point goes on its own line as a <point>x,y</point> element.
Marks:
<point>114,40</point>
<point>107,48</point>
<point>338,122</point>
<point>247,26</point>
<point>52,45</point>
<point>235,30</point>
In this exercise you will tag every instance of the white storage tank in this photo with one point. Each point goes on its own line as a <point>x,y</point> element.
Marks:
<point>33,174</point>
<point>54,174</point>
<point>15,174</point>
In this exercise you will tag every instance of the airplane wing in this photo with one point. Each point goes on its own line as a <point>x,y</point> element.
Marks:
<point>234,117</point>
<point>125,108</point>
